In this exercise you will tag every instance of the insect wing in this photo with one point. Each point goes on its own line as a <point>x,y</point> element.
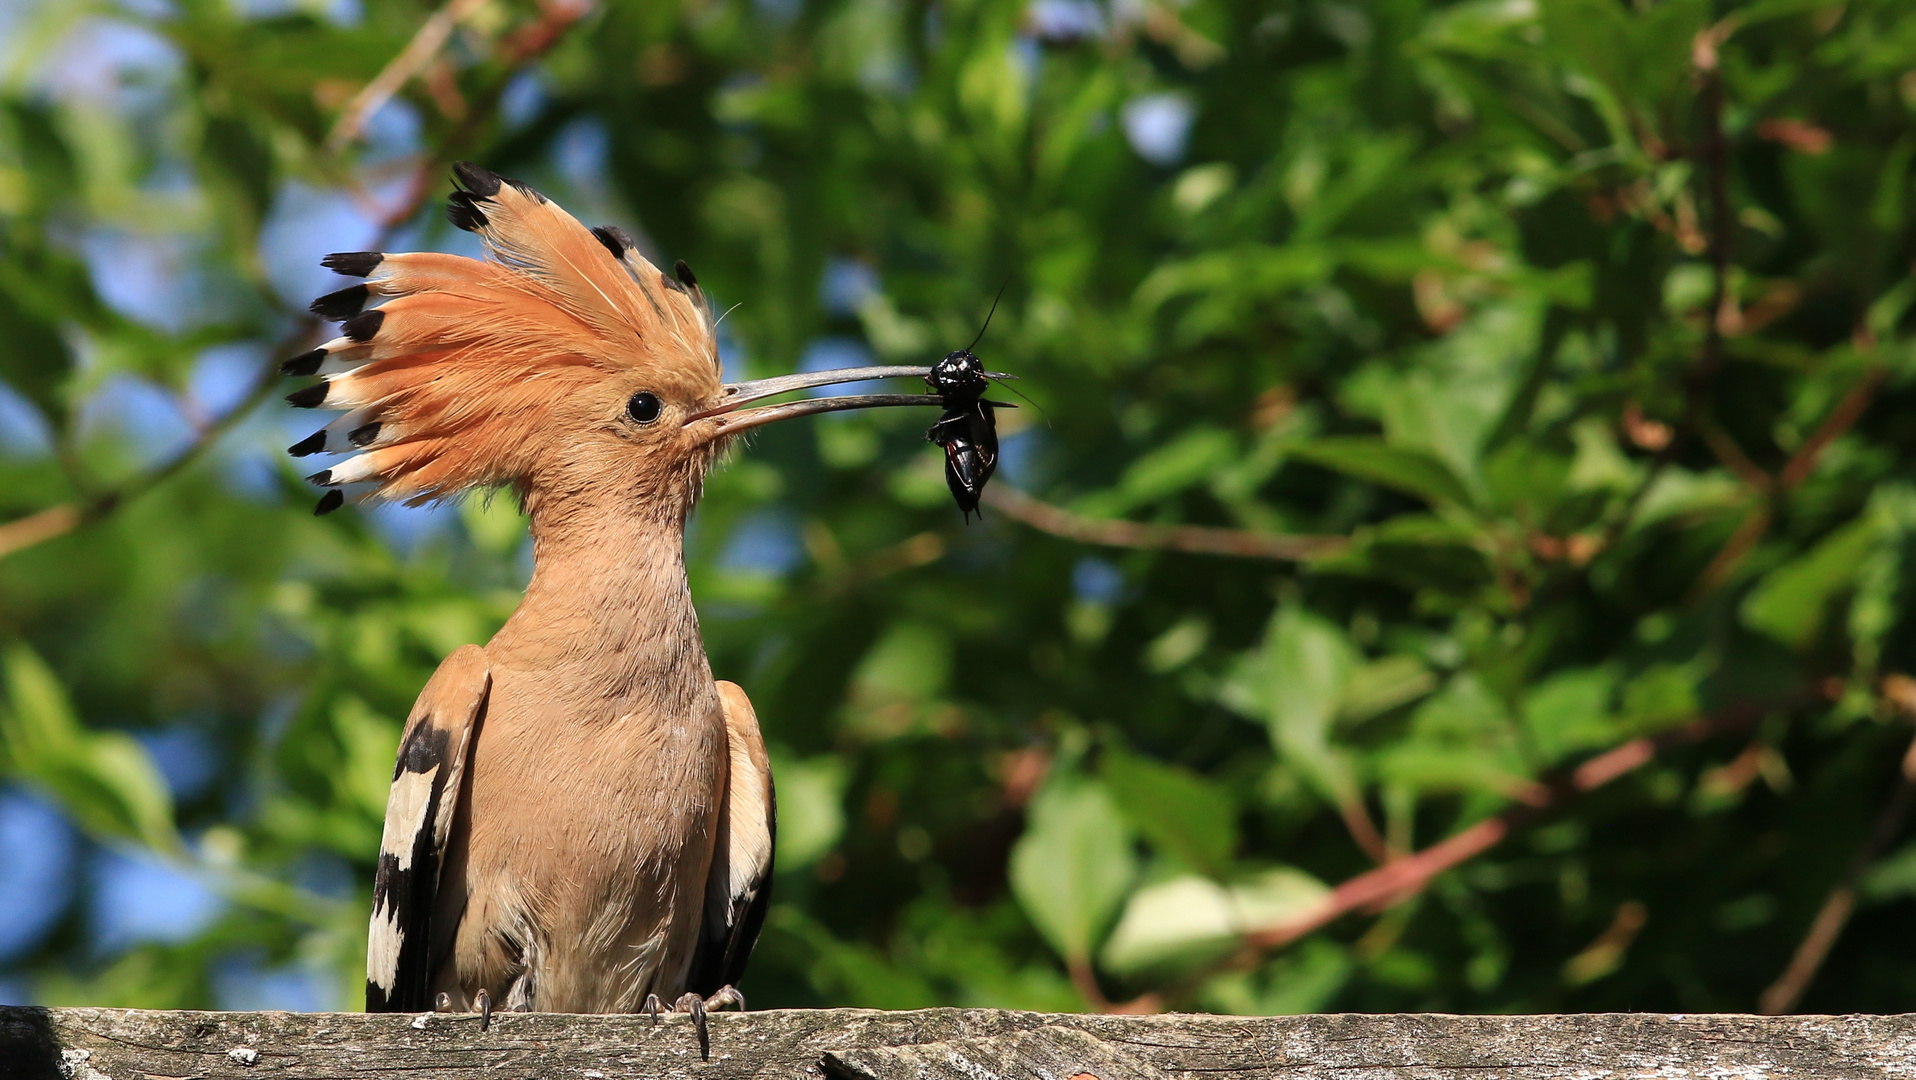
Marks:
<point>964,474</point>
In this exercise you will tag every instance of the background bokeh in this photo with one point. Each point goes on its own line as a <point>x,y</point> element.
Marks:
<point>1570,341</point>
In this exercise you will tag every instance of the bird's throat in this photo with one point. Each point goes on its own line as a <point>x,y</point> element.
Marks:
<point>608,616</point>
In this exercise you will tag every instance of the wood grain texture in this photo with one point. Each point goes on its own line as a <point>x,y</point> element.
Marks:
<point>88,1044</point>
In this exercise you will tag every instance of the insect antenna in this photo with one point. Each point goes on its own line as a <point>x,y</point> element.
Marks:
<point>988,315</point>
<point>1005,382</point>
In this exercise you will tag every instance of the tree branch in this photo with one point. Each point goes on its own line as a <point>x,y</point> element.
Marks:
<point>1399,880</point>
<point>1789,987</point>
<point>425,44</point>
<point>523,46</point>
<point>1847,412</point>
<point>1197,539</point>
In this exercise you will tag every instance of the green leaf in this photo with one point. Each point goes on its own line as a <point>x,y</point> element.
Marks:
<point>103,779</point>
<point>1571,711</point>
<point>368,744</point>
<point>1413,472</point>
<point>1294,683</point>
<point>1180,813</point>
<point>1892,878</point>
<point>1073,865</point>
<point>811,807</point>
<point>1791,603</point>
<point>35,359</point>
<point>1302,981</point>
<point>1461,739</point>
<point>1383,685</point>
<point>1662,695</point>
<point>1186,461</point>
<point>1182,922</point>
<point>1187,921</point>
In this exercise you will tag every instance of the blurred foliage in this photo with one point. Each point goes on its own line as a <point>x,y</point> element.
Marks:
<point>1587,321</point>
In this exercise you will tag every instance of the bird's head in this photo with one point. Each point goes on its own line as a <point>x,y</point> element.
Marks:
<point>564,364</point>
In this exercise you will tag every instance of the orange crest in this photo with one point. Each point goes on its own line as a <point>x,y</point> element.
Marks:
<point>466,368</point>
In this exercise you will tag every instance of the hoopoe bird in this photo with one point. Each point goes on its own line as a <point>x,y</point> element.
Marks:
<point>581,819</point>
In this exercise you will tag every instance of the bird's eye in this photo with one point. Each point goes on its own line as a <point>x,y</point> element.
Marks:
<point>643,407</point>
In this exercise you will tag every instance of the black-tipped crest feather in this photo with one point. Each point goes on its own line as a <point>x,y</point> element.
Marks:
<point>614,238</point>
<point>304,364</point>
<point>480,181</point>
<point>310,398</point>
<point>462,209</point>
<point>311,444</point>
<point>353,263</point>
<point>342,305</point>
<point>364,325</point>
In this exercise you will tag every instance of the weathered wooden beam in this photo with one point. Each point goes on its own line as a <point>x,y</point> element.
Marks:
<point>947,1044</point>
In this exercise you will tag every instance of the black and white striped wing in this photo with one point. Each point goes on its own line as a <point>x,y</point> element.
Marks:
<point>419,811</point>
<point>739,889</point>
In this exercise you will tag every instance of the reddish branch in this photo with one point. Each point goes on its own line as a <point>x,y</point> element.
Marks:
<point>1401,879</point>
<point>1783,995</point>
<point>1714,166</point>
<point>1841,419</point>
<point>1200,539</point>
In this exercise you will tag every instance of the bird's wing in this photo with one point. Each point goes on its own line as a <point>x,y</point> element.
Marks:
<point>419,811</point>
<point>740,886</point>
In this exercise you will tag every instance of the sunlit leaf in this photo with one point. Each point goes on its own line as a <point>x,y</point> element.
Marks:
<point>1073,866</point>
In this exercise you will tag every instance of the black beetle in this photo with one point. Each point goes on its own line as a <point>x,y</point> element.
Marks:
<point>968,430</point>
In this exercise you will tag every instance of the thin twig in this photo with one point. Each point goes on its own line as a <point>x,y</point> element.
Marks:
<point>1752,530</point>
<point>419,52</point>
<point>1789,987</point>
<point>1715,166</point>
<point>1704,57</point>
<point>1363,830</point>
<point>1797,469</point>
<point>1841,419</point>
<point>30,530</point>
<point>1199,539</point>
<point>1399,880</point>
<point>1732,457</point>
<point>524,46</point>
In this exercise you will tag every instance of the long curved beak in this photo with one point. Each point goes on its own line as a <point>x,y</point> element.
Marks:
<point>729,416</point>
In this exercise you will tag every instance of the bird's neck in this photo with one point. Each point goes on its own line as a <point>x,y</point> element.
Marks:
<point>607,619</point>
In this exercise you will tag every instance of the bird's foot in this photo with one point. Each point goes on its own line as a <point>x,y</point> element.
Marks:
<point>442,1003</point>
<point>485,1010</point>
<point>694,1004</point>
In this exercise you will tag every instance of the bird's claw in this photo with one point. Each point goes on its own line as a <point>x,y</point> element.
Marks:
<point>485,1010</point>
<point>694,1004</point>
